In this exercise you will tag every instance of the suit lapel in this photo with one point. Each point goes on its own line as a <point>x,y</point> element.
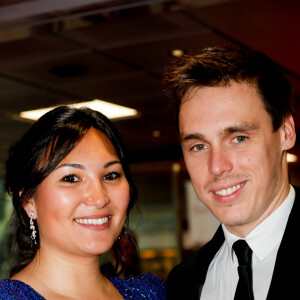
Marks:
<point>284,282</point>
<point>207,253</point>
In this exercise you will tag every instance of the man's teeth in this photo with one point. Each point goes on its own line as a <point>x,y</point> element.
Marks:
<point>92,221</point>
<point>226,192</point>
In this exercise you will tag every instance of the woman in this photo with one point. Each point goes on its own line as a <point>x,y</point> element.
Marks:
<point>72,192</point>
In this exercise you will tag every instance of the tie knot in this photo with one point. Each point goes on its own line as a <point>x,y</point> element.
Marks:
<point>243,252</point>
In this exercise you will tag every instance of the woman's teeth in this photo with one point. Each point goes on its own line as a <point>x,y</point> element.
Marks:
<point>229,191</point>
<point>92,221</point>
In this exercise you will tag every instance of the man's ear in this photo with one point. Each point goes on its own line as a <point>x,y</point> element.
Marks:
<point>29,206</point>
<point>288,136</point>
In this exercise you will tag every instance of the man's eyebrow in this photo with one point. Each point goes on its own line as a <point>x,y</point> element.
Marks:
<point>193,136</point>
<point>240,128</point>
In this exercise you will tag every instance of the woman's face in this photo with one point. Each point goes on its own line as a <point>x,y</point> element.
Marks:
<point>81,206</point>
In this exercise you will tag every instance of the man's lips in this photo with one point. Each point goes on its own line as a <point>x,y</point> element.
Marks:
<point>229,190</point>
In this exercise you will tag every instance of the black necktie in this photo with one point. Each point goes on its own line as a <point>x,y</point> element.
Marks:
<point>244,290</point>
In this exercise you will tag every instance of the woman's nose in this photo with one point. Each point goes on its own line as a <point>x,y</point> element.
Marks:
<point>96,196</point>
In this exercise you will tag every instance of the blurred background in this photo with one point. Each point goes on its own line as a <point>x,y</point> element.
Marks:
<point>54,52</point>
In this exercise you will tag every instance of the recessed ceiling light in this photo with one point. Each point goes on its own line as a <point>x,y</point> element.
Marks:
<point>156,133</point>
<point>177,52</point>
<point>111,110</point>
<point>291,158</point>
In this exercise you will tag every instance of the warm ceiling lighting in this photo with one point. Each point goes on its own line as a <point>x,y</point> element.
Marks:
<point>177,52</point>
<point>156,133</point>
<point>111,110</point>
<point>291,158</point>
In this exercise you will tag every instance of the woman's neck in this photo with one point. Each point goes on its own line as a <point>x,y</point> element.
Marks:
<point>54,275</point>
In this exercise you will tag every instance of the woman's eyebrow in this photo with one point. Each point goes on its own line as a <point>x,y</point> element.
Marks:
<point>110,163</point>
<point>73,165</point>
<point>82,167</point>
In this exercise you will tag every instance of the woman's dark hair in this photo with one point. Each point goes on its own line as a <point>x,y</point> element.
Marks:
<point>219,66</point>
<point>37,154</point>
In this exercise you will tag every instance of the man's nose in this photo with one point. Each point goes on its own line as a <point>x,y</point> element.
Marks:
<point>96,195</point>
<point>220,161</point>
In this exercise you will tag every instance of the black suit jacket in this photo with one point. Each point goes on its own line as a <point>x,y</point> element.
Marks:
<point>186,280</point>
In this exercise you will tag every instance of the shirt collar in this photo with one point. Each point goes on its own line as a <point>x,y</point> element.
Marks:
<point>268,234</point>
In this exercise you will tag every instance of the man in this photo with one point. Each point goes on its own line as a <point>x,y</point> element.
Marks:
<point>235,121</point>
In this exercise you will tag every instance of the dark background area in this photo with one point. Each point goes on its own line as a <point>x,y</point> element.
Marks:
<point>54,52</point>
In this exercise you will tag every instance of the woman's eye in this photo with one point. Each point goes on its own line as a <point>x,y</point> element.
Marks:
<point>71,178</point>
<point>112,176</point>
<point>199,147</point>
<point>239,139</point>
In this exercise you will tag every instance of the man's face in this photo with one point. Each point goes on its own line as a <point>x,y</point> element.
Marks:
<point>235,160</point>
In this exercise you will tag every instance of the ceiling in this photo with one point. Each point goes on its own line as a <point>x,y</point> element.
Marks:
<point>54,52</point>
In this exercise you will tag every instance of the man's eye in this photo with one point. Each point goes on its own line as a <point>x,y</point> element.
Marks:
<point>112,176</point>
<point>199,147</point>
<point>71,178</point>
<point>239,139</point>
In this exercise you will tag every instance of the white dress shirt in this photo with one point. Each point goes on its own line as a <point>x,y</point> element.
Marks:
<point>264,240</point>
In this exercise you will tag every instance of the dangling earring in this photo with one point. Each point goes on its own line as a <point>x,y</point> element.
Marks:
<point>32,227</point>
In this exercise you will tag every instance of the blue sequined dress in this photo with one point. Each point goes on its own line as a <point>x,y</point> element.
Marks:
<point>146,286</point>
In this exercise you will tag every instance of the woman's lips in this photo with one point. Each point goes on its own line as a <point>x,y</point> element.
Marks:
<point>94,222</point>
<point>99,221</point>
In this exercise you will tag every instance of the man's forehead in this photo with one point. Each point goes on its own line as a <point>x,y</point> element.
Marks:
<point>195,91</point>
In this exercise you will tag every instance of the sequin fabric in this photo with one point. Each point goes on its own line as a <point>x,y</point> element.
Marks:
<point>146,286</point>
<point>17,290</point>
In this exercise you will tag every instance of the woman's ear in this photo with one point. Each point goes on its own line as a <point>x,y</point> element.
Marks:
<point>29,206</point>
<point>288,133</point>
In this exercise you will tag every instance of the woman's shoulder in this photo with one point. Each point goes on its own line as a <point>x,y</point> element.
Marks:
<point>145,286</point>
<point>15,289</point>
